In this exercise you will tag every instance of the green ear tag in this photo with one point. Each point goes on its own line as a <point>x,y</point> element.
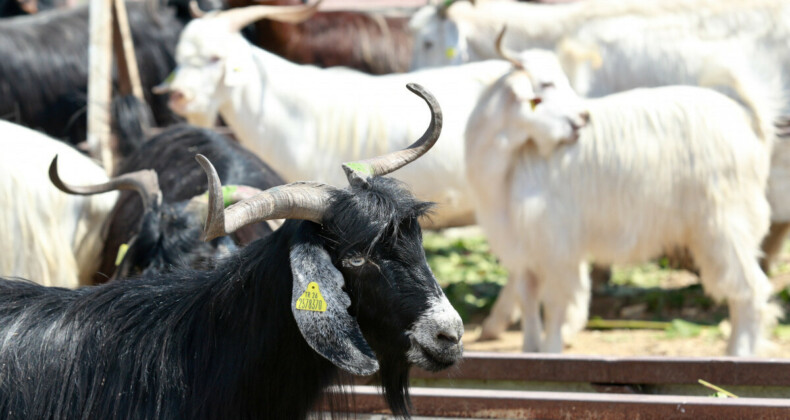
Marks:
<point>227,194</point>
<point>121,253</point>
<point>360,167</point>
<point>311,299</point>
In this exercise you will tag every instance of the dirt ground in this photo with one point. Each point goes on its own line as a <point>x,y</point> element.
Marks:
<point>627,343</point>
<point>711,341</point>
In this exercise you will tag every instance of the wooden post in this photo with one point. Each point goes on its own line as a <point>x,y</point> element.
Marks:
<point>109,36</point>
<point>123,46</point>
<point>100,82</point>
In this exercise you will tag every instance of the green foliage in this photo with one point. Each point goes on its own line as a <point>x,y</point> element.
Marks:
<point>682,329</point>
<point>782,332</point>
<point>467,271</point>
<point>644,275</point>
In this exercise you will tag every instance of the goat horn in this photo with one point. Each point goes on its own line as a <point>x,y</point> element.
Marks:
<point>505,53</point>
<point>359,171</point>
<point>298,200</point>
<point>231,194</point>
<point>145,183</point>
<point>243,16</point>
<point>195,11</point>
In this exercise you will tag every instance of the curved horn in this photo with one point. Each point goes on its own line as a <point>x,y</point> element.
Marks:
<point>231,194</point>
<point>298,200</point>
<point>505,53</point>
<point>243,16</point>
<point>358,172</point>
<point>195,11</point>
<point>145,183</point>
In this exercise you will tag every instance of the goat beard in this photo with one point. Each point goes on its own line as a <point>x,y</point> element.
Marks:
<point>394,377</point>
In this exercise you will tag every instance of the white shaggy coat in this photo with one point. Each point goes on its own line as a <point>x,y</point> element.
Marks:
<point>48,236</point>
<point>608,46</point>
<point>465,33</point>
<point>655,168</point>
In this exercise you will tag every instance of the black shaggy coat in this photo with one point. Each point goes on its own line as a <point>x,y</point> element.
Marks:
<point>44,69</point>
<point>220,344</point>
<point>168,236</point>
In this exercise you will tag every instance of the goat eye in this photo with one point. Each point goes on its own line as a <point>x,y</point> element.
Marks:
<point>534,102</point>
<point>356,261</point>
<point>428,45</point>
<point>546,85</point>
<point>213,59</point>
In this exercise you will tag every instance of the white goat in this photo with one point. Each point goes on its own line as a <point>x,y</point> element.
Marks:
<point>305,120</point>
<point>664,52</point>
<point>608,46</point>
<point>464,32</point>
<point>653,169</point>
<point>623,45</point>
<point>48,235</point>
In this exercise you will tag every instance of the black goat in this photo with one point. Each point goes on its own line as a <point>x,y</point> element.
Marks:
<point>44,70</point>
<point>343,284</point>
<point>159,225</point>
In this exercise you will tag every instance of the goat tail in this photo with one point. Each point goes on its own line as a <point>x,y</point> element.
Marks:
<point>761,94</point>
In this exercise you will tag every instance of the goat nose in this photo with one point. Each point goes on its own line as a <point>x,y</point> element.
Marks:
<point>176,96</point>
<point>585,116</point>
<point>578,123</point>
<point>449,336</point>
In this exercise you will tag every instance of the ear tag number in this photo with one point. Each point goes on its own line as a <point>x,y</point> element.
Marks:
<point>121,253</point>
<point>311,299</point>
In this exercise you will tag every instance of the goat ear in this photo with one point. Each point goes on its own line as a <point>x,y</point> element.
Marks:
<point>320,307</point>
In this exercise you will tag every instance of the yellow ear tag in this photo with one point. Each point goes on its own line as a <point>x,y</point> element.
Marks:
<point>237,69</point>
<point>121,253</point>
<point>450,52</point>
<point>311,299</point>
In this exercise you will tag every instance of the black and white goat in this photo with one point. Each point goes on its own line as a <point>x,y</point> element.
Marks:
<point>158,223</point>
<point>342,285</point>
